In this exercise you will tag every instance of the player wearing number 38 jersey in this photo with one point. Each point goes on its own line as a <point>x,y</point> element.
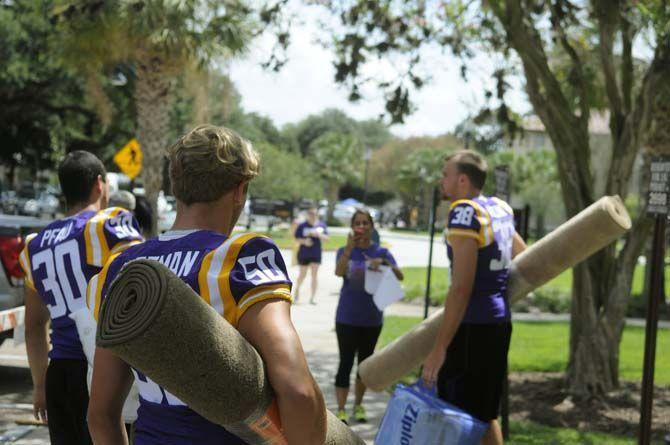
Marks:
<point>58,262</point>
<point>469,357</point>
<point>489,221</point>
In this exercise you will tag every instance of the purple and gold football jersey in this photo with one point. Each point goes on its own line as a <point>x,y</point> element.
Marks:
<point>230,274</point>
<point>60,260</point>
<point>490,221</point>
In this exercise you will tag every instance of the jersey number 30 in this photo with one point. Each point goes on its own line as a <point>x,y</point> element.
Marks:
<point>57,279</point>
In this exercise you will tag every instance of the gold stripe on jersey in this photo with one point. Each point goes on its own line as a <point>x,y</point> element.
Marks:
<point>97,249</point>
<point>224,277</point>
<point>98,281</point>
<point>485,234</point>
<point>486,228</point>
<point>261,293</point>
<point>91,291</point>
<point>211,290</point>
<point>463,233</point>
<point>121,247</point>
<point>24,261</point>
<point>202,277</point>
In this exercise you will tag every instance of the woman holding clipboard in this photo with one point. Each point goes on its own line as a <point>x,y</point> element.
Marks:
<point>358,321</point>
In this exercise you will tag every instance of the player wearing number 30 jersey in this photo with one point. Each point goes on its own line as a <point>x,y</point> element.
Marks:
<point>58,262</point>
<point>61,259</point>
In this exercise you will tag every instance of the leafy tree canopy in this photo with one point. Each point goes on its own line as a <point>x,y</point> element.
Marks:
<point>371,133</point>
<point>44,113</point>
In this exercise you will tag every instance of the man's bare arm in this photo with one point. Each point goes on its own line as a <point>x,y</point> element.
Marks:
<point>37,348</point>
<point>518,245</point>
<point>267,326</point>
<point>112,380</point>
<point>464,266</point>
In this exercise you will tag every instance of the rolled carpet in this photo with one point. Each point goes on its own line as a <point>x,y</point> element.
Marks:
<point>590,230</point>
<point>156,323</point>
<point>575,240</point>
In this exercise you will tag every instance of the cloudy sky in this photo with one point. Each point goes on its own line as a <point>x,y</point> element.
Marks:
<point>305,85</point>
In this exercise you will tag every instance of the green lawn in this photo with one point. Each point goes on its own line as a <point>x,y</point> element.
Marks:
<point>284,240</point>
<point>564,280</point>
<point>415,282</point>
<point>528,433</point>
<point>544,347</point>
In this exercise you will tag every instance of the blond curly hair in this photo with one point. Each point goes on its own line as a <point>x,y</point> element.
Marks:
<point>209,161</point>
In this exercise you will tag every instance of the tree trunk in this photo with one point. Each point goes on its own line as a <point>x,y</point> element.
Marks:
<point>152,99</point>
<point>601,291</point>
<point>540,229</point>
<point>332,194</point>
<point>592,367</point>
<point>600,298</point>
<point>601,286</point>
<point>11,176</point>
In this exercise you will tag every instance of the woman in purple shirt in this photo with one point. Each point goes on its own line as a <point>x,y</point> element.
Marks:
<point>309,235</point>
<point>358,321</point>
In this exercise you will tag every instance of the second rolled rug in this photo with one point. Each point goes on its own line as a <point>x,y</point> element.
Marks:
<point>586,233</point>
<point>156,323</point>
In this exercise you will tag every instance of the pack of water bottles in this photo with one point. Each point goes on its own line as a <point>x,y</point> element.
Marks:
<point>416,416</point>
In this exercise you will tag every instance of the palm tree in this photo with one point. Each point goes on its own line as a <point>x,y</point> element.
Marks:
<point>158,40</point>
<point>418,176</point>
<point>337,156</point>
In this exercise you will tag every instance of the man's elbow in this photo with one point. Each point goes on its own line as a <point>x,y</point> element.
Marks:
<point>304,396</point>
<point>301,393</point>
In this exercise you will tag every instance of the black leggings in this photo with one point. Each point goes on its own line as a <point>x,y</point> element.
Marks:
<point>352,339</point>
<point>67,402</point>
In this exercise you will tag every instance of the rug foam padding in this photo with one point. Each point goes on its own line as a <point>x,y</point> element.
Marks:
<point>156,323</point>
<point>589,231</point>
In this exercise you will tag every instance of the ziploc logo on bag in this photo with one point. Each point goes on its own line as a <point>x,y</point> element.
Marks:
<point>408,422</point>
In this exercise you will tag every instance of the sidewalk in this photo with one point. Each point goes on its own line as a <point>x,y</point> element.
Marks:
<point>316,327</point>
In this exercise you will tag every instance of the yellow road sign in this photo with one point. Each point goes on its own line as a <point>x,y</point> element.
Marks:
<point>129,158</point>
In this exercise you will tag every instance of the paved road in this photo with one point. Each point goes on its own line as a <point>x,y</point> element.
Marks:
<point>410,249</point>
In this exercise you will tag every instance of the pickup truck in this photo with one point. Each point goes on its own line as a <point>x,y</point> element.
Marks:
<point>13,230</point>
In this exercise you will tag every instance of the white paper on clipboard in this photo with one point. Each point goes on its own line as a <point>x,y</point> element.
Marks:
<point>384,287</point>
<point>373,278</point>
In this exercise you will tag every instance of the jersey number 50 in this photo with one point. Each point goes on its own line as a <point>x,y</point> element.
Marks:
<point>262,268</point>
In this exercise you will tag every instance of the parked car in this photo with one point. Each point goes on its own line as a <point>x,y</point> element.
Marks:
<point>13,230</point>
<point>167,212</point>
<point>345,209</point>
<point>44,204</point>
<point>9,202</point>
<point>23,196</point>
